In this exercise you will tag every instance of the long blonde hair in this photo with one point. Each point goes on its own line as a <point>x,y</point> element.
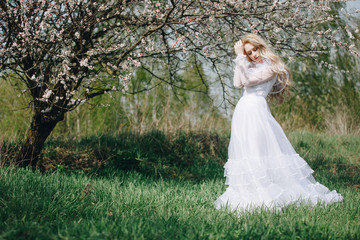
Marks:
<point>279,67</point>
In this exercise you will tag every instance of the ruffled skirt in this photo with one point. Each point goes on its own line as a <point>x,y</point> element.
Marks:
<point>263,169</point>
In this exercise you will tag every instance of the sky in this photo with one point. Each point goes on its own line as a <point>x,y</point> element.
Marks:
<point>353,4</point>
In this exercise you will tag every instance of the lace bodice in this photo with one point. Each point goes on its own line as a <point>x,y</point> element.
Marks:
<point>255,78</point>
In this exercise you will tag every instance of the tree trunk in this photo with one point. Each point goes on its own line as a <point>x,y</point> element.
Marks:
<point>36,136</point>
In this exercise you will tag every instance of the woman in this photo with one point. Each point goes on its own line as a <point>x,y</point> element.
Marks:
<point>263,169</point>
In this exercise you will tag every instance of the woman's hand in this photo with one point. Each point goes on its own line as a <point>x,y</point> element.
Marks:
<point>238,47</point>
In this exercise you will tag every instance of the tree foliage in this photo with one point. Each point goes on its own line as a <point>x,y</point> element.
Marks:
<point>67,52</point>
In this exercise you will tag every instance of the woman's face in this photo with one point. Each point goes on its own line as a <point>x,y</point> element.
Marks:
<point>253,52</point>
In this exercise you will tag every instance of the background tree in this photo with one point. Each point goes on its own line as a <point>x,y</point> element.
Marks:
<point>66,52</point>
<point>325,95</point>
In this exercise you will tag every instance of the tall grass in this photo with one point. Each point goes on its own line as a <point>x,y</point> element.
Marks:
<point>130,199</point>
<point>192,155</point>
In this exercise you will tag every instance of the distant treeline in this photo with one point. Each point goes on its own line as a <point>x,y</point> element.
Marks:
<point>321,99</point>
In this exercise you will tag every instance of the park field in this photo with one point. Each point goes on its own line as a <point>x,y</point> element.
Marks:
<point>158,186</point>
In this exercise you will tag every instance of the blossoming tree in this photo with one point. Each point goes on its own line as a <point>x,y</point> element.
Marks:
<point>67,52</point>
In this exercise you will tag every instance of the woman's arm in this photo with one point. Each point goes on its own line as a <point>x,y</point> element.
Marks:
<point>261,76</point>
<point>240,72</point>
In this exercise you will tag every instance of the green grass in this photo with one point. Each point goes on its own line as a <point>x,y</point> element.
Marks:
<point>114,203</point>
<point>131,206</point>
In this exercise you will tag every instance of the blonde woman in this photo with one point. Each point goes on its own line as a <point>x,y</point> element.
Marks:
<point>263,169</point>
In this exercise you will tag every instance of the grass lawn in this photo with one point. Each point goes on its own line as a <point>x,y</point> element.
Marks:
<point>129,204</point>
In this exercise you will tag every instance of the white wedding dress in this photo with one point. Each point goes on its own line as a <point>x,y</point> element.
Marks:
<point>263,169</point>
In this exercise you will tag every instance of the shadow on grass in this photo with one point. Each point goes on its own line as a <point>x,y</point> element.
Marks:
<point>189,156</point>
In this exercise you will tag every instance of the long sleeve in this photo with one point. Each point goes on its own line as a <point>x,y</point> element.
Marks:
<point>240,71</point>
<point>258,76</point>
<point>263,75</point>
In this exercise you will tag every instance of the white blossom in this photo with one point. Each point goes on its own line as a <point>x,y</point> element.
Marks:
<point>47,93</point>
<point>144,32</point>
<point>46,110</point>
